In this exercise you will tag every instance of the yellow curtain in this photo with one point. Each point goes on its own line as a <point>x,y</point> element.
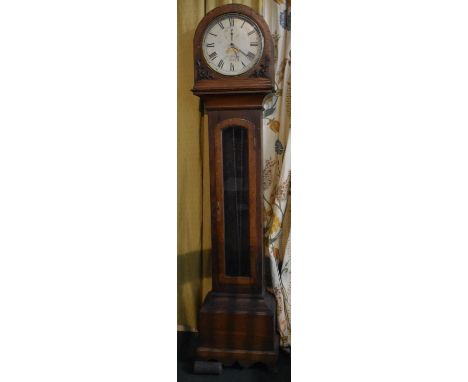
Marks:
<point>193,209</point>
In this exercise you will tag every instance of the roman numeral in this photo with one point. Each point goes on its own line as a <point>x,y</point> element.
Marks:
<point>252,31</point>
<point>231,21</point>
<point>220,23</point>
<point>250,55</point>
<point>243,64</point>
<point>211,45</point>
<point>254,44</point>
<point>232,67</point>
<point>220,64</point>
<point>242,24</point>
<point>213,34</point>
<point>213,55</point>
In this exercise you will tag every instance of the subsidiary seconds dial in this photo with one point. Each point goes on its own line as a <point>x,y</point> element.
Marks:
<point>232,44</point>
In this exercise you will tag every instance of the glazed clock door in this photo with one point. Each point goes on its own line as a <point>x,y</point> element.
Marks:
<point>235,160</point>
<point>236,219</point>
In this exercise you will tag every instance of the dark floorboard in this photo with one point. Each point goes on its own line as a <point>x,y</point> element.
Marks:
<point>186,345</point>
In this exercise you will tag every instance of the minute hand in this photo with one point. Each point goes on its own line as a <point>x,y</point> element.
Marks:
<point>245,54</point>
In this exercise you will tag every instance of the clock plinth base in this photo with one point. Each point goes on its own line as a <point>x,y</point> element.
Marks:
<point>238,328</point>
<point>245,358</point>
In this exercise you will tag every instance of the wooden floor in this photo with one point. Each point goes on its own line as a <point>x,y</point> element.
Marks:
<point>186,345</point>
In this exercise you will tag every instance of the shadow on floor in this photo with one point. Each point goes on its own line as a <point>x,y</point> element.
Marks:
<point>186,345</point>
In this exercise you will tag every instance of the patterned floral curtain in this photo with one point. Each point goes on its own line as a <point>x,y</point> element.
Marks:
<point>277,166</point>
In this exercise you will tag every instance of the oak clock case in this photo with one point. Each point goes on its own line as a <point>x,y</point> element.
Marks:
<point>233,72</point>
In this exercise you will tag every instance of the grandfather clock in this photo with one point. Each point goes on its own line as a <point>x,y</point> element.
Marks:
<point>233,62</point>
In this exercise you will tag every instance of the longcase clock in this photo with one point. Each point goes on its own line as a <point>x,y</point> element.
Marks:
<point>233,71</point>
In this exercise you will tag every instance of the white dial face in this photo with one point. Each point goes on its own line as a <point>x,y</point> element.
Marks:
<point>232,44</point>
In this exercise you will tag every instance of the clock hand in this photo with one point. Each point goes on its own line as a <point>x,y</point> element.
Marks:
<point>231,45</point>
<point>245,54</point>
<point>235,47</point>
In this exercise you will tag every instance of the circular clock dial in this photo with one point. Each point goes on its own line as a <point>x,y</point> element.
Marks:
<point>232,44</point>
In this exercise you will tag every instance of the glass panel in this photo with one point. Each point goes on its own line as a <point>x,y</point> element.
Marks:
<point>236,201</point>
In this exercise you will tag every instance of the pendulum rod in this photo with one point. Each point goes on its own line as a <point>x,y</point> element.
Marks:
<point>237,201</point>
<point>241,213</point>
